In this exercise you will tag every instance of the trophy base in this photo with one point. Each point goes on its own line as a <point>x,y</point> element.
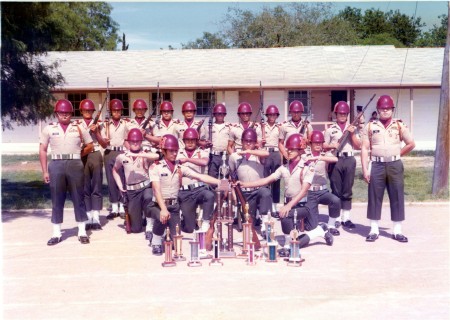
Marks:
<point>251,263</point>
<point>179,258</point>
<point>169,264</point>
<point>194,263</point>
<point>269,260</point>
<point>227,254</point>
<point>216,262</point>
<point>296,263</point>
<point>243,254</point>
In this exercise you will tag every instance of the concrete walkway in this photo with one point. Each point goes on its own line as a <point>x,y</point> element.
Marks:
<point>116,276</point>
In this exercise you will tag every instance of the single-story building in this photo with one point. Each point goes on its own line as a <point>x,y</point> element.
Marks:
<point>319,76</point>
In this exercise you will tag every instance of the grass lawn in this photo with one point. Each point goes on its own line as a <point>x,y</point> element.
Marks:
<point>23,188</point>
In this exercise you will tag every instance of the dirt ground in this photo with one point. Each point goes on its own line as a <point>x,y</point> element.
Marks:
<point>117,277</point>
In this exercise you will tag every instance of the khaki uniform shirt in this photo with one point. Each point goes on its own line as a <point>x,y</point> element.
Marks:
<point>386,142</point>
<point>334,133</point>
<point>161,129</point>
<point>83,124</point>
<point>198,153</point>
<point>69,142</point>
<point>117,134</point>
<point>236,134</point>
<point>272,135</point>
<point>182,126</point>
<point>170,181</point>
<point>320,169</point>
<point>136,171</point>
<point>292,181</point>
<point>247,170</point>
<point>288,127</point>
<point>220,136</point>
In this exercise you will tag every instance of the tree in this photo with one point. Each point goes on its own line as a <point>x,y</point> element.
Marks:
<point>31,29</point>
<point>437,36</point>
<point>208,41</point>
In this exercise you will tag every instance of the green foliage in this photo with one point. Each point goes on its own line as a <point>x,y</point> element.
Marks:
<point>29,30</point>
<point>208,41</point>
<point>437,36</point>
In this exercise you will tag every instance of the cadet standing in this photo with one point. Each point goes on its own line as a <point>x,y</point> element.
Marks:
<point>244,113</point>
<point>272,137</point>
<point>189,109</point>
<point>382,139</point>
<point>112,138</point>
<point>295,125</point>
<point>93,169</point>
<point>219,140</point>
<point>342,174</point>
<point>167,125</point>
<point>68,143</point>
<point>166,176</point>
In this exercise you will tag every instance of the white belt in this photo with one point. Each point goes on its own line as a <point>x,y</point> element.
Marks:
<point>249,189</point>
<point>112,148</point>
<point>272,149</point>
<point>139,185</point>
<point>66,156</point>
<point>192,186</point>
<point>345,154</point>
<point>317,187</point>
<point>218,153</point>
<point>301,203</point>
<point>385,159</point>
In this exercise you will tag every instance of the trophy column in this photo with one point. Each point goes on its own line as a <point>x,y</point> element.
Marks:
<point>178,238</point>
<point>168,261</point>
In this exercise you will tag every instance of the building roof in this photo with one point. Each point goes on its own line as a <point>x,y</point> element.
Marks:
<point>293,67</point>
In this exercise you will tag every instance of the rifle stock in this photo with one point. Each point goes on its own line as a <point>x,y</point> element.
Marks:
<point>97,116</point>
<point>261,111</point>
<point>147,120</point>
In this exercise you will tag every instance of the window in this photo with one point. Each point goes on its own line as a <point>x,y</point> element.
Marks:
<point>300,96</point>
<point>205,102</point>
<point>122,96</point>
<point>75,99</point>
<point>165,96</point>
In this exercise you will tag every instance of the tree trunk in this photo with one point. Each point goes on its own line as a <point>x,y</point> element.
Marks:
<point>442,160</point>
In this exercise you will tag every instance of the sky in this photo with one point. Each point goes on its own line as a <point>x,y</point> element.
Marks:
<point>156,25</point>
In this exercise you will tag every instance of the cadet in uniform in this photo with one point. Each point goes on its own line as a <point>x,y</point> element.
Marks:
<point>166,177</point>
<point>112,138</point>
<point>244,113</point>
<point>273,161</point>
<point>383,140</point>
<point>140,108</point>
<point>342,174</point>
<point>193,192</point>
<point>189,109</point>
<point>295,125</point>
<point>318,191</point>
<point>68,143</point>
<point>135,164</point>
<point>93,169</point>
<point>297,179</point>
<point>248,164</point>
<point>219,140</point>
<point>167,125</point>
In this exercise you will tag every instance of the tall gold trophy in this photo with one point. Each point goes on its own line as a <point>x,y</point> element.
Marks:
<point>178,240</point>
<point>295,259</point>
<point>168,260</point>
<point>246,233</point>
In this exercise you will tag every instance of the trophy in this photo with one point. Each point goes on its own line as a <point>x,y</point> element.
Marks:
<point>215,261</point>
<point>168,261</point>
<point>246,232</point>
<point>178,240</point>
<point>251,254</point>
<point>195,258</point>
<point>227,218</point>
<point>295,259</point>
<point>269,228</point>
<point>272,248</point>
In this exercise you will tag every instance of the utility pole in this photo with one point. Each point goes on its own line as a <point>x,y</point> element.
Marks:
<point>442,159</point>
